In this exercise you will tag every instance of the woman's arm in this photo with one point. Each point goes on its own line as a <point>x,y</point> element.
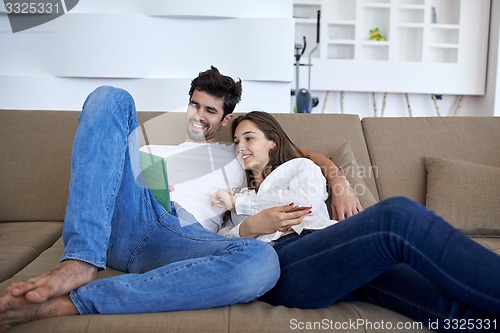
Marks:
<point>267,221</point>
<point>298,181</point>
<point>344,203</point>
<point>270,220</point>
<point>270,209</point>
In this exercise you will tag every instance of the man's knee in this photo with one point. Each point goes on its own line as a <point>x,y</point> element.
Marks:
<point>104,97</point>
<point>110,92</point>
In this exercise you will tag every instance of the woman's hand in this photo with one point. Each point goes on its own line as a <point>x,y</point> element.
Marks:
<point>270,220</point>
<point>223,199</point>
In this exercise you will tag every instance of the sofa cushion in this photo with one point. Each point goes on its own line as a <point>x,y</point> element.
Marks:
<point>324,133</point>
<point>35,164</point>
<point>340,317</point>
<point>22,242</point>
<point>346,162</point>
<point>397,147</point>
<point>265,318</point>
<point>462,192</point>
<point>252,317</point>
<point>492,243</point>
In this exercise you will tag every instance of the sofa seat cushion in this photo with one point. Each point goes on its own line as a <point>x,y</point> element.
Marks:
<point>255,317</point>
<point>465,194</point>
<point>251,317</point>
<point>22,242</point>
<point>492,243</point>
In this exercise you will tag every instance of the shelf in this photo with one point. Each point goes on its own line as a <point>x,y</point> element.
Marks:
<point>375,51</point>
<point>409,46</point>
<point>341,42</point>
<point>301,20</point>
<point>340,51</point>
<point>377,5</point>
<point>413,46</point>
<point>411,25</point>
<point>339,10</point>
<point>305,11</point>
<point>376,17</point>
<point>342,22</point>
<point>410,15</point>
<point>411,7</point>
<point>447,11</point>
<point>375,43</point>
<point>444,46</point>
<point>445,26</point>
<point>444,36</point>
<point>308,29</point>
<point>411,2</point>
<point>341,31</point>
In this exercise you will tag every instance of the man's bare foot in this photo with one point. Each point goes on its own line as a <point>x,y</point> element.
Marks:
<point>16,309</point>
<point>67,276</point>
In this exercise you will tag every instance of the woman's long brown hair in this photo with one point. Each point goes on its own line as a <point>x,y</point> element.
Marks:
<point>285,149</point>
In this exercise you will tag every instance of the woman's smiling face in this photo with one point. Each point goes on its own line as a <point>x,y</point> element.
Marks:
<point>252,146</point>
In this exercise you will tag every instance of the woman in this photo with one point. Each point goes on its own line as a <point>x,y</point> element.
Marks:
<point>395,254</point>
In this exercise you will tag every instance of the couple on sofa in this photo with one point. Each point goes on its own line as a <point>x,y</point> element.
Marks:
<point>395,254</point>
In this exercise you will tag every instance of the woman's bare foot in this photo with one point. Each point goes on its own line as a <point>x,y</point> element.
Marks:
<point>67,276</point>
<point>16,309</point>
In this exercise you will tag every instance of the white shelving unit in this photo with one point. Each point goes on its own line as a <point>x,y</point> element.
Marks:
<point>430,46</point>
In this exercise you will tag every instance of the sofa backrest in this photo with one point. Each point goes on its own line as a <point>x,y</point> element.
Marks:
<point>35,149</point>
<point>397,147</point>
<point>324,133</point>
<point>36,152</point>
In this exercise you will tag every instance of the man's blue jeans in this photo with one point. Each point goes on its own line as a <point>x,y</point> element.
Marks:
<point>172,263</point>
<point>396,254</point>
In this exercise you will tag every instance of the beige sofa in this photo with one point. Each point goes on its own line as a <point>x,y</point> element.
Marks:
<point>35,151</point>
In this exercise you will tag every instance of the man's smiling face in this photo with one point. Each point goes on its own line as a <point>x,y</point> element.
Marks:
<point>204,117</point>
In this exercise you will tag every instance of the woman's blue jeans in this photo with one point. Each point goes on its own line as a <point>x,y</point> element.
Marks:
<point>172,262</point>
<point>395,254</point>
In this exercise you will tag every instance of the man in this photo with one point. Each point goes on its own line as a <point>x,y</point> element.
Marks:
<point>172,262</point>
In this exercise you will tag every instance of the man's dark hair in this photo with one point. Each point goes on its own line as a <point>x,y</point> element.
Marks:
<point>218,85</point>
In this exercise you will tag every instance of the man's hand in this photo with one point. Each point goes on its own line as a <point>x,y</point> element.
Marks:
<point>344,202</point>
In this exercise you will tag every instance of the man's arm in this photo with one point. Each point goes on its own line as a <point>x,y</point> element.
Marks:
<point>344,203</point>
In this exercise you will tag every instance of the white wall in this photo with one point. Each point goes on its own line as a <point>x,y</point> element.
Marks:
<point>153,49</point>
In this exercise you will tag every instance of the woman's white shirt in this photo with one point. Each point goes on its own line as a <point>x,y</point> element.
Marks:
<point>298,181</point>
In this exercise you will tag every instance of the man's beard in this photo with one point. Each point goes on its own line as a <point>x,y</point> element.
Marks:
<point>203,135</point>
